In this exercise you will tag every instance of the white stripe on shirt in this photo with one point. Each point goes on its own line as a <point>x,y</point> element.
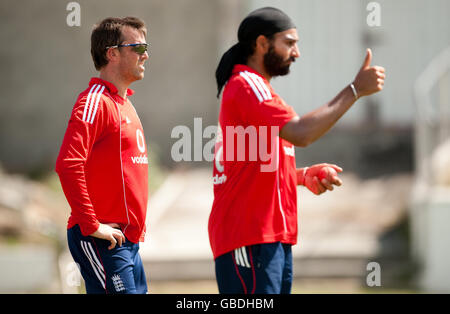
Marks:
<point>91,103</point>
<point>278,185</point>
<point>96,104</point>
<point>261,84</point>
<point>252,85</point>
<point>88,99</point>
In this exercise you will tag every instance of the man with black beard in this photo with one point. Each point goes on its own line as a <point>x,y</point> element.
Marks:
<point>253,221</point>
<point>274,63</point>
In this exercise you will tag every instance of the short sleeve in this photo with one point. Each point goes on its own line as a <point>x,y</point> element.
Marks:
<point>270,111</point>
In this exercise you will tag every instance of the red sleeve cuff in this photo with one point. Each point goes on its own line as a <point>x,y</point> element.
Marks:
<point>88,229</point>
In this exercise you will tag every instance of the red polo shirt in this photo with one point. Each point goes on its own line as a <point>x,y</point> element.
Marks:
<point>102,163</point>
<point>255,194</point>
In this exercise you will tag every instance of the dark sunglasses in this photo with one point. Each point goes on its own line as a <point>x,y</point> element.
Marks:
<point>140,48</point>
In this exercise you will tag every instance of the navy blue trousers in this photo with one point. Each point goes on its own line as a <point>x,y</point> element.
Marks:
<point>257,269</point>
<point>119,270</point>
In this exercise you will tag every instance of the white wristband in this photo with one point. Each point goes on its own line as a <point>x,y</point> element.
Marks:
<point>354,91</point>
<point>304,175</point>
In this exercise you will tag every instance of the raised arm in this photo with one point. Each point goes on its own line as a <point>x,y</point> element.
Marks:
<point>310,127</point>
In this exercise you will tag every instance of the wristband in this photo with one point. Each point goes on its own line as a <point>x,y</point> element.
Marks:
<point>354,91</point>
<point>304,175</point>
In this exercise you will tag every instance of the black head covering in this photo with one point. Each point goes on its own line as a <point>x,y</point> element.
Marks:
<point>265,21</point>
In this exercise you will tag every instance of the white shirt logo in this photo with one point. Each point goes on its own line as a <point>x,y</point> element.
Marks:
<point>219,159</point>
<point>140,140</point>
<point>289,151</point>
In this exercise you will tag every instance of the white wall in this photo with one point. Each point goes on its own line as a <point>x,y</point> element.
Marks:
<point>331,34</point>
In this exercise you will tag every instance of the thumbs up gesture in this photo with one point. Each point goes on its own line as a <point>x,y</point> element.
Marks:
<point>370,79</point>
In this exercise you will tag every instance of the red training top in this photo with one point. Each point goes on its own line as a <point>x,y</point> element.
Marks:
<point>103,165</point>
<point>255,191</point>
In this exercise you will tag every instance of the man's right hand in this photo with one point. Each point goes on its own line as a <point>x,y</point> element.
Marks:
<point>313,125</point>
<point>111,233</point>
<point>370,79</point>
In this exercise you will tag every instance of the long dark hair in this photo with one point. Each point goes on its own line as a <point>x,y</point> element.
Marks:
<point>237,54</point>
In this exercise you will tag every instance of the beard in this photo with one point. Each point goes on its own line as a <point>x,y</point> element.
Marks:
<point>275,65</point>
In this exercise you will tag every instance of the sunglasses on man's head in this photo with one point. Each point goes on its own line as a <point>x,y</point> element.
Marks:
<point>140,48</point>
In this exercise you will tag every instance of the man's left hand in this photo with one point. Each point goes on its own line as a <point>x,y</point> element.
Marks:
<point>315,180</point>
